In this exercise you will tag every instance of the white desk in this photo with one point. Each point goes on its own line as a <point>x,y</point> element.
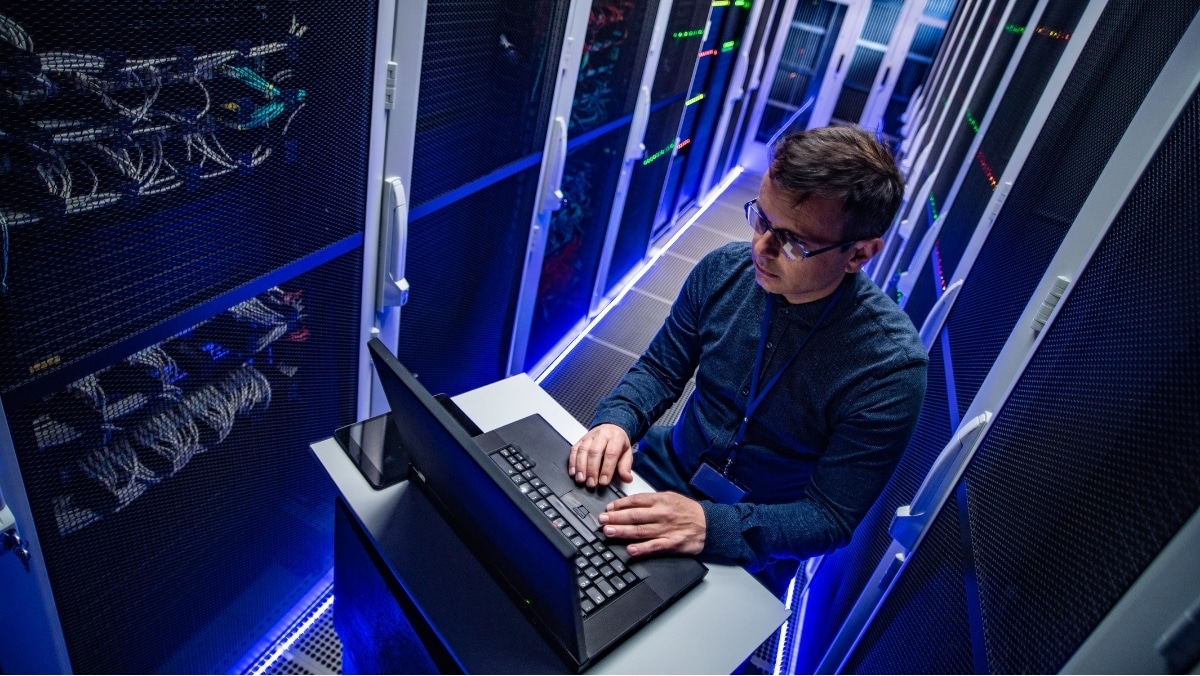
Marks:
<point>712,629</point>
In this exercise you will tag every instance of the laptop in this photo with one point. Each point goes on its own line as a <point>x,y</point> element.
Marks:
<point>508,496</point>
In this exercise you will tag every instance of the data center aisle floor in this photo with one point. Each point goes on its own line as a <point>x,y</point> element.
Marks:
<point>578,381</point>
<point>594,367</point>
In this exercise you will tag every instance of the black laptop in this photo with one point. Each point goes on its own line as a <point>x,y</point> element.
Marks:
<point>508,496</point>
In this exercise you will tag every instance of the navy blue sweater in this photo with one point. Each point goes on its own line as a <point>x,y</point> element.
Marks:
<point>824,441</point>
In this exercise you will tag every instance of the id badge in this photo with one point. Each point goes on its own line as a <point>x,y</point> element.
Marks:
<point>720,488</point>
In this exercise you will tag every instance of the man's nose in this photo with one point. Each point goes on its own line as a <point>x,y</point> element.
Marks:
<point>764,245</point>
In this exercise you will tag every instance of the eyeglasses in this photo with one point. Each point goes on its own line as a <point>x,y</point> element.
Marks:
<point>788,243</point>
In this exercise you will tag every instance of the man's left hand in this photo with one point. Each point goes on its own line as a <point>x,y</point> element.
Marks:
<point>661,522</point>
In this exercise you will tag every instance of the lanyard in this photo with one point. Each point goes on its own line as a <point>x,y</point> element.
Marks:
<point>756,396</point>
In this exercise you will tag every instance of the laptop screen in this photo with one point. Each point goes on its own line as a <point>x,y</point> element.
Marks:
<point>521,549</point>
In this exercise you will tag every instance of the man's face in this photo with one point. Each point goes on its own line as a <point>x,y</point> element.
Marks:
<point>818,223</point>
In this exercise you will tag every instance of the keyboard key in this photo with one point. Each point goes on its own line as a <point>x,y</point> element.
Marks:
<point>578,541</point>
<point>581,562</point>
<point>559,523</point>
<point>570,532</point>
<point>608,555</point>
<point>528,474</point>
<point>587,550</point>
<point>607,571</point>
<point>517,479</point>
<point>587,606</point>
<point>537,483</point>
<point>545,490</point>
<point>542,505</point>
<point>605,587</point>
<point>583,582</point>
<point>525,488</point>
<point>617,565</point>
<point>597,561</point>
<point>629,577</point>
<point>591,573</point>
<point>596,595</point>
<point>617,582</point>
<point>551,513</point>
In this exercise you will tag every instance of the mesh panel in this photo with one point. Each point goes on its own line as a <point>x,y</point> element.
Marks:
<point>456,327</point>
<point>151,156</point>
<point>956,159</point>
<point>922,627</point>
<point>1097,443</point>
<point>1117,66</point>
<point>146,450</point>
<point>575,238</point>
<point>843,574</point>
<point>482,69</point>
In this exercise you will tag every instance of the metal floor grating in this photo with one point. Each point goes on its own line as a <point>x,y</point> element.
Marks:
<point>578,382</point>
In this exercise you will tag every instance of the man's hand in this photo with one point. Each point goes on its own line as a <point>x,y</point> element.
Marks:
<point>603,451</point>
<point>663,522</point>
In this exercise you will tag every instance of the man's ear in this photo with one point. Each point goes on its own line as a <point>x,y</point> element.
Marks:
<point>861,252</point>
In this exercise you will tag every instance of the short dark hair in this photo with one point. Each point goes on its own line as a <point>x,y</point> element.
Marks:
<point>847,163</point>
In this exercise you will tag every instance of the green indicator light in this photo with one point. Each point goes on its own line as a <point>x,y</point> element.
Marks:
<point>679,35</point>
<point>1016,30</point>
<point>728,45</point>
<point>658,154</point>
<point>971,121</point>
<point>933,208</point>
<point>742,3</point>
<point>720,3</point>
<point>694,99</point>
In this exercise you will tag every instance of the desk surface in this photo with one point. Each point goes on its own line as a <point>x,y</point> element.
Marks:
<point>712,629</point>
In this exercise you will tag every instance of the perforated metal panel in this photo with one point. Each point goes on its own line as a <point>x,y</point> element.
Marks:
<point>137,472</point>
<point>588,375</point>
<point>1091,466</point>
<point>153,156</point>
<point>1098,441</point>
<point>923,628</point>
<point>1122,57</point>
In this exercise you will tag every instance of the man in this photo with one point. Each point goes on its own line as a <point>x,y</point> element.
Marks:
<point>809,380</point>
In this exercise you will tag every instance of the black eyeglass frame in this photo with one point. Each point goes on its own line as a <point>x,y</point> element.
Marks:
<point>783,237</point>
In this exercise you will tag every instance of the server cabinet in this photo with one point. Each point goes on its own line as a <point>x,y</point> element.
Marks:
<point>1066,479</point>
<point>608,108</point>
<point>799,63</point>
<point>186,211</point>
<point>966,335</point>
<point>705,102</point>
<point>971,108</point>
<point>497,78</point>
<point>918,34</point>
<point>645,212</point>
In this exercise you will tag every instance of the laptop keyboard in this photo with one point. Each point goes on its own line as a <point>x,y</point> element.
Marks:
<point>602,576</point>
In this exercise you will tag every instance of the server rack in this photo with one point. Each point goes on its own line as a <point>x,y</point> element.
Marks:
<point>604,138</point>
<point>1087,469</point>
<point>970,109</point>
<point>798,60</point>
<point>918,34</point>
<point>480,203</point>
<point>645,212</point>
<point>190,220</point>
<point>990,303</point>
<point>710,84</point>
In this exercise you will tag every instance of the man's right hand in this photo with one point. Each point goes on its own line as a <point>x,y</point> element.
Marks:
<point>600,453</point>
